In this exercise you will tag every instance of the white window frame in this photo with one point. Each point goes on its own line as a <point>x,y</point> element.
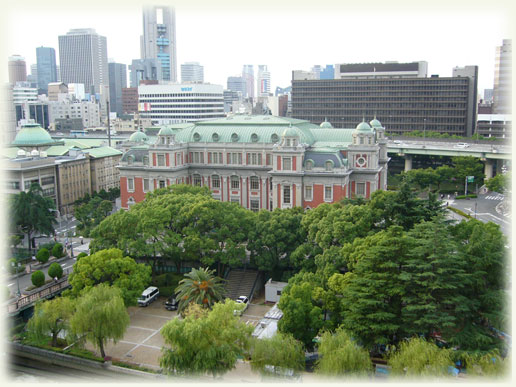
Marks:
<point>236,180</point>
<point>330,198</point>
<point>215,178</point>
<point>254,180</point>
<point>130,184</point>
<point>286,162</point>
<point>362,186</point>
<point>311,189</point>
<point>161,156</point>
<point>146,182</point>
<point>284,189</point>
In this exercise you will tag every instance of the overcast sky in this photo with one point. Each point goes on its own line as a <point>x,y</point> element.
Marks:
<point>287,35</point>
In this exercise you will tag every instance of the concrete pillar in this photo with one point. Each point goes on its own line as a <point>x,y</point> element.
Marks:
<point>408,162</point>
<point>488,168</point>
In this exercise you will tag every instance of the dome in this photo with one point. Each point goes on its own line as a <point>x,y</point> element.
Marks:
<point>375,123</point>
<point>33,135</point>
<point>165,132</point>
<point>289,132</point>
<point>326,125</point>
<point>363,127</point>
<point>138,137</point>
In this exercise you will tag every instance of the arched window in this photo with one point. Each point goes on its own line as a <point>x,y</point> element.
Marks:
<point>329,165</point>
<point>309,165</point>
<point>235,182</point>
<point>254,182</point>
<point>215,181</point>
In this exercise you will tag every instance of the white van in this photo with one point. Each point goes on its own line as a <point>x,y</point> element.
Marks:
<point>148,295</point>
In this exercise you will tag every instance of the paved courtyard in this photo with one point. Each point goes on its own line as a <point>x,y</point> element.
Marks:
<point>142,342</point>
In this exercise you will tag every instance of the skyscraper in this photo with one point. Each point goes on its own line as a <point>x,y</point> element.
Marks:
<point>159,39</point>
<point>248,75</point>
<point>263,81</point>
<point>144,70</point>
<point>237,84</point>
<point>17,69</point>
<point>503,79</point>
<point>46,66</point>
<point>192,72</point>
<point>83,59</point>
<point>117,81</point>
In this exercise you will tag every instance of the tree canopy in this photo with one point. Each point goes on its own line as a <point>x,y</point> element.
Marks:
<point>50,318</point>
<point>112,268</point>
<point>201,287</point>
<point>281,351</point>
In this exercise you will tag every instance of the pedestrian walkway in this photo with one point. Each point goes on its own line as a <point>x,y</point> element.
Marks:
<point>494,197</point>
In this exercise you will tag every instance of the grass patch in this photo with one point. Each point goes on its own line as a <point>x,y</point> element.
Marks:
<point>132,366</point>
<point>461,213</point>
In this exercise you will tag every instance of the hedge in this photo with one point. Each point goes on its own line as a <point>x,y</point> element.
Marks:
<point>461,213</point>
<point>43,255</point>
<point>55,270</point>
<point>57,250</point>
<point>38,278</point>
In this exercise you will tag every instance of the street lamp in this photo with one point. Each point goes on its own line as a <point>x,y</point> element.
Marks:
<point>59,218</point>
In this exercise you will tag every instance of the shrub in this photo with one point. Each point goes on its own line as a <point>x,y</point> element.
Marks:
<point>57,250</point>
<point>43,255</point>
<point>55,270</point>
<point>49,246</point>
<point>14,269</point>
<point>38,278</point>
<point>83,254</point>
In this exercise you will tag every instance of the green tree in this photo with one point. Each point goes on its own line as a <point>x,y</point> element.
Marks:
<point>38,278</point>
<point>43,255</point>
<point>444,173</point>
<point>206,344</point>
<point>281,350</point>
<point>340,355</point>
<point>274,238</point>
<point>424,178</point>
<point>468,166</point>
<point>300,317</point>
<point>418,357</point>
<point>112,268</point>
<point>201,287</point>
<point>100,316</point>
<point>500,183</point>
<point>489,364</point>
<point>55,270</point>
<point>373,293</point>
<point>57,250</point>
<point>50,317</point>
<point>31,213</point>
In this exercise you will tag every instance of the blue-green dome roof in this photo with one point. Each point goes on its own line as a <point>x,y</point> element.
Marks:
<point>33,135</point>
<point>138,137</point>
<point>290,132</point>
<point>326,124</point>
<point>363,127</point>
<point>375,123</point>
<point>165,132</point>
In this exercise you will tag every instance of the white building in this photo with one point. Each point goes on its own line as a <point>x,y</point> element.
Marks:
<point>88,111</point>
<point>273,290</point>
<point>22,94</point>
<point>176,103</point>
<point>192,72</point>
<point>263,81</point>
<point>76,91</point>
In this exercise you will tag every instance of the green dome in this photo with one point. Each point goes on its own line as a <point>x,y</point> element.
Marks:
<point>290,132</point>
<point>363,127</point>
<point>326,124</point>
<point>138,137</point>
<point>33,135</point>
<point>376,124</point>
<point>165,132</point>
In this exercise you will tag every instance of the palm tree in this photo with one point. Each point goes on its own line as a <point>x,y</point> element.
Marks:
<point>199,286</point>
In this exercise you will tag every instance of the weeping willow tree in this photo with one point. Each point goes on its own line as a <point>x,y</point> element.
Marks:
<point>100,316</point>
<point>50,318</point>
<point>341,355</point>
<point>281,351</point>
<point>418,357</point>
<point>489,364</point>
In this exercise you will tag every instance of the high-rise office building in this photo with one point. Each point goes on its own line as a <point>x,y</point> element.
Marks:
<point>144,70</point>
<point>263,81</point>
<point>248,75</point>
<point>502,100</point>
<point>237,84</point>
<point>17,69</point>
<point>46,67</point>
<point>159,39</point>
<point>398,92</point>
<point>83,59</point>
<point>32,78</point>
<point>117,81</point>
<point>192,72</point>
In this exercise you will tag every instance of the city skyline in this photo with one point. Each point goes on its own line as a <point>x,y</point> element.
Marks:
<point>224,39</point>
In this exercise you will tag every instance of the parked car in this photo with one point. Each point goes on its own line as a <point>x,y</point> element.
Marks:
<point>171,303</point>
<point>242,304</point>
<point>148,296</point>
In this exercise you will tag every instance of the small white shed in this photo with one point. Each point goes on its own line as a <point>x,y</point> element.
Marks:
<point>273,290</point>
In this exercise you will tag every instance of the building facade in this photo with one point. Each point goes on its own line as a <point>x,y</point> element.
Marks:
<point>104,173</point>
<point>17,69</point>
<point>502,91</point>
<point>495,125</point>
<point>144,70</point>
<point>192,72</point>
<point>159,39</point>
<point>117,81</point>
<point>260,162</point>
<point>238,84</point>
<point>248,75</point>
<point>83,59</point>
<point>174,103</point>
<point>407,103</point>
<point>46,67</point>
<point>88,112</point>
<point>263,81</point>
<point>130,100</point>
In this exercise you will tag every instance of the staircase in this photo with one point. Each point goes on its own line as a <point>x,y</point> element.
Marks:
<point>240,282</point>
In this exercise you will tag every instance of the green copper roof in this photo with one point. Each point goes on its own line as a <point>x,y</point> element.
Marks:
<point>58,150</point>
<point>166,131</point>
<point>290,132</point>
<point>326,125</point>
<point>138,137</point>
<point>103,151</point>
<point>375,123</point>
<point>33,135</point>
<point>363,127</point>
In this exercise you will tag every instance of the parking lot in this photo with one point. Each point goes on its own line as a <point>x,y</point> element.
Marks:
<point>142,342</point>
